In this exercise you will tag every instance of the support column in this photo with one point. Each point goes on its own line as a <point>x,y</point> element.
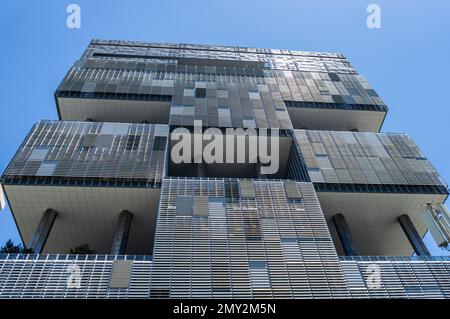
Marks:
<point>344,235</point>
<point>120,242</point>
<point>42,232</point>
<point>413,236</point>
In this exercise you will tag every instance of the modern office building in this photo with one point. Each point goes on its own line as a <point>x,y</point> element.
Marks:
<point>125,174</point>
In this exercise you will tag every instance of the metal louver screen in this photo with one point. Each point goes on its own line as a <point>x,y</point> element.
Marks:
<point>81,150</point>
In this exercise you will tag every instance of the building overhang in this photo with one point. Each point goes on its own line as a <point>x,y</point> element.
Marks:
<point>86,215</point>
<point>152,110</point>
<point>335,119</point>
<point>372,218</point>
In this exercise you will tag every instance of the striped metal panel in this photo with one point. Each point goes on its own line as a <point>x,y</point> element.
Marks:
<point>81,276</point>
<point>70,276</point>
<point>239,249</point>
<point>244,87</point>
<point>397,279</point>
<point>364,158</point>
<point>88,149</point>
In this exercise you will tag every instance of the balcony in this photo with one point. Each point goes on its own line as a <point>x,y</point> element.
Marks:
<point>74,183</point>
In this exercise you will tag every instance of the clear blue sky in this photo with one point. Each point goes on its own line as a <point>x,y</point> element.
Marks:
<point>407,61</point>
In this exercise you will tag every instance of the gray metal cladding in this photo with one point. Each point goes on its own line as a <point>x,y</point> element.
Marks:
<point>373,278</point>
<point>365,158</point>
<point>88,149</point>
<point>261,246</point>
<point>120,274</point>
<point>72,276</point>
<point>155,72</point>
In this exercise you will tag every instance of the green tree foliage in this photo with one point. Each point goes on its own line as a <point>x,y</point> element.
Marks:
<point>11,248</point>
<point>83,249</point>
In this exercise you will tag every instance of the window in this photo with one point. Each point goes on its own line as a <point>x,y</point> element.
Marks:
<point>291,250</point>
<point>184,206</point>
<point>222,93</point>
<point>89,140</point>
<point>247,189</point>
<point>39,153</point>
<point>163,83</point>
<point>115,128</point>
<point>200,93</point>
<point>182,110</point>
<point>292,191</point>
<point>133,142</point>
<point>200,84</point>
<point>161,130</point>
<point>254,95</point>
<point>334,77</point>
<point>372,93</point>
<point>337,99</point>
<point>104,140</point>
<point>224,113</point>
<point>259,274</point>
<point>159,143</point>
<point>353,91</point>
<point>324,162</point>
<point>248,121</point>
<point>88,87</point>
<point>217,213</point>
<point>176,110</point>
<point>201,207</point>
<point>47,168</point>
<point>252,225</point>
<point>189,92</point>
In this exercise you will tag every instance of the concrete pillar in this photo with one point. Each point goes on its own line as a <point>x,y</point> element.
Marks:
<point>413,236</point>
<point>42,232</point>
<point>120,242</point>
<point>344,235</point>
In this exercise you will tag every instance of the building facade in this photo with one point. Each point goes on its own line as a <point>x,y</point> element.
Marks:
<point>341,216</point>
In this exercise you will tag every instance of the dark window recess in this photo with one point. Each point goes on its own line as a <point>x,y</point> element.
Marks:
<point>133,141</point>
<point>353,91</point>
<point>88,140</point>
<point>334,77</point>
<point>372,93</point>
<point>200,93</point>
<point>337,99</point>
<point>252,226</point>
<point>159,143</point>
